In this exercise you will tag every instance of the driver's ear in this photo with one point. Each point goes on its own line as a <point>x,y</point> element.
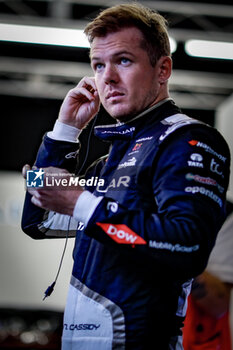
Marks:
<point>165,68</point>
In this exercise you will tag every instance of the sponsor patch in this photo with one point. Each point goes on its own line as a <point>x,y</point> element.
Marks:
<point>119,132</point>
<point>195,164</point>
<point>201,179</point>
<point>121,233</point>
<point>196,160</point>
<point>215,168</point>
<point>137,146</point>
<point>207,148</point>
<point>205,192</point>
<point>131,162</point>
<point>112,206</point>
<point>204,180</point>
<point>145,139</point>
<point>196,157</point>
<point>173,247</point>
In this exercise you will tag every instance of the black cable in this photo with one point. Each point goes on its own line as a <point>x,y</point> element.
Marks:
<point>50,288</point>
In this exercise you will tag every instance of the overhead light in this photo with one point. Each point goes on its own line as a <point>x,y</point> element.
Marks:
<point>49,35</point>
<point>43,35</point>
<point>209,49</point>
<point>173,44</point>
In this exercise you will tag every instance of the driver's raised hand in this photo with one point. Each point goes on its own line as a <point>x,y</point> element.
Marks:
<point>80,104</point>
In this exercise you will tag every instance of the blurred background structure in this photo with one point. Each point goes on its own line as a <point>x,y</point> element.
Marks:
<point>42,56</point>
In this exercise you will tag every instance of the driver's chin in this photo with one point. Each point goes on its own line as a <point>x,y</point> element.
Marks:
<point>120,113</point>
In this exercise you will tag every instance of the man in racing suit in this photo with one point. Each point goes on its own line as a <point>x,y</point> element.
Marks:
<point>149,223</point>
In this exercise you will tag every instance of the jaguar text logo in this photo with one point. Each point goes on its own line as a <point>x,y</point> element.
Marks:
<point>121,234</point>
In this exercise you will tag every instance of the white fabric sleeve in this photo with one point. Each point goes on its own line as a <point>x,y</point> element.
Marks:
<point>58,225</point>
<point>85,206</point>
<point>64,132</point>
<point>221,258</point>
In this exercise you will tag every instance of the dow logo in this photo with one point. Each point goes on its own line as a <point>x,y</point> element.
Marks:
<point>35,178</point>
<point>121,233</point>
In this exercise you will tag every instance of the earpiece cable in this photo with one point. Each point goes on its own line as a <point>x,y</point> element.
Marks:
<point>50,288</point>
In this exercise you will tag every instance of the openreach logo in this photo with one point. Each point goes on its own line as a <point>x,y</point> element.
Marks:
<point>37,178</point>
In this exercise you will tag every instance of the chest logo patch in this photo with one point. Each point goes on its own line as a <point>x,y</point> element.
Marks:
<point>137,146</point>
